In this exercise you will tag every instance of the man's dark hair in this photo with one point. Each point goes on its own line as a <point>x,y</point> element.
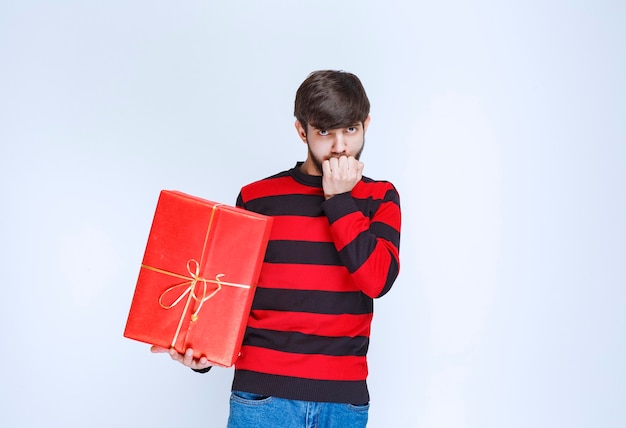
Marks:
<point>330,99</point>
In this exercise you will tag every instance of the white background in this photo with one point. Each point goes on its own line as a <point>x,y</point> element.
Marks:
<point>501,123</point>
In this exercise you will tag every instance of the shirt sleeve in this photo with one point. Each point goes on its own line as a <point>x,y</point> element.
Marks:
<point>368,245</point>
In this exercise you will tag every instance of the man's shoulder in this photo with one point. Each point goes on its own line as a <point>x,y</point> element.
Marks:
<point>378,189</point>
<point>264,187</point>
<point>263,181</point>
<point>369,180</point>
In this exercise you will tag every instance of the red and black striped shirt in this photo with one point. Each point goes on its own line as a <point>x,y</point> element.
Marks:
<point>308,332</point>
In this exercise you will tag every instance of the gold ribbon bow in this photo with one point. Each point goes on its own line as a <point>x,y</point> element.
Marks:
<point>194,278</point>
<point>190,290</point>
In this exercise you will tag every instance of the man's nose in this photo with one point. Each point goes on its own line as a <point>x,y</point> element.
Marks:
<point>339,145</point>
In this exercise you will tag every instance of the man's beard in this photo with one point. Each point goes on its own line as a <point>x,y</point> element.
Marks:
<point>318,162</point>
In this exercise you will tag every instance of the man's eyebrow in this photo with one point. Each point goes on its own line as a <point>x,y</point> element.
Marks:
<point>354,125</point>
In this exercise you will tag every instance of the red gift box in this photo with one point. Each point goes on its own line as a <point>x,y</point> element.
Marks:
<point>198,277</point>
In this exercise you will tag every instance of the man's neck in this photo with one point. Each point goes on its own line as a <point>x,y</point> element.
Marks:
<point>309,167</point>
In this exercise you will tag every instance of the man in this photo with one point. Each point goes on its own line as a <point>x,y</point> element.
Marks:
<point>334,247</point>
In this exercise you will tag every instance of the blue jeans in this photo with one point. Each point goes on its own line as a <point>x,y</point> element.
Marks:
<point>249,410</point>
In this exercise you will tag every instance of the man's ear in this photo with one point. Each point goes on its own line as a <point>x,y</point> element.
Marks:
<point>366,123</point>
<point>301,131</point>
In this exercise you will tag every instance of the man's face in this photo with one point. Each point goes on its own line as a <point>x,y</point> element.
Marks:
<point>327,143</point>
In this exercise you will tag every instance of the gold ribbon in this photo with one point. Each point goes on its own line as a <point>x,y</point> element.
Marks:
<point>190,283</point>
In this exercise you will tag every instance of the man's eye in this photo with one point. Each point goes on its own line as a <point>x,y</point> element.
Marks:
<point>323,132</point>
<point>352,130</point>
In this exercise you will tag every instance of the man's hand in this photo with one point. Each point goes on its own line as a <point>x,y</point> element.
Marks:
<point>340,175</point>
<point>185,359</point>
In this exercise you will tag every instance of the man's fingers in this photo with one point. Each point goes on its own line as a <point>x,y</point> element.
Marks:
<point>188,359</point>
<point>333,165</point>
<point>342,163</point>
<point>339,165</point>
<point>175,355</point>
<point>326,167</point>
<point>359,169</point>
<point>185,359</point>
